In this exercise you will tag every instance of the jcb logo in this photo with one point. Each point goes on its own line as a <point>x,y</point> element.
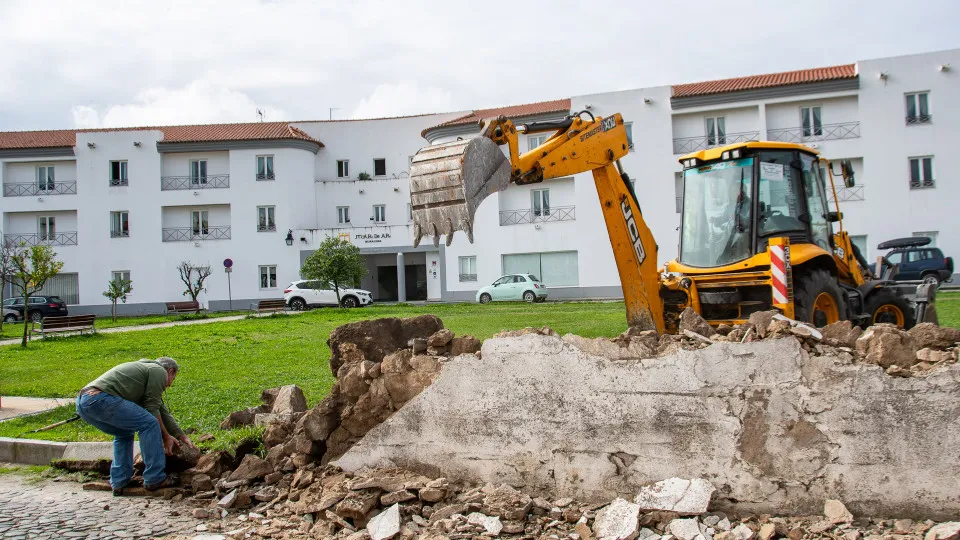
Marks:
<point>633,230</point>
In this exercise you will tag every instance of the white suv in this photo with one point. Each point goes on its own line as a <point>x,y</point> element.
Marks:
<point>307,293</point>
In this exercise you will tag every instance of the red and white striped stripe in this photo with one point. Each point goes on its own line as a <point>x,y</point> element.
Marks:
<point>778,269</point>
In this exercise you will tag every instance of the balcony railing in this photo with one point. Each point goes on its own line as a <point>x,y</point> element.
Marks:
<point>265,177</point>
<point>32,189</point>
<point>190,234</point>
<point>119,234</point>
<point>468,277</point>
<point>686,145</point>
<point>118,182</point>
<point>266,228</point>
<point>920,119</point>
<point>845,194</point>
<point>921,184</point>
<point>210,181</point>
<point>826,132</point>
<point>67,238</point>
<point>556,213</point>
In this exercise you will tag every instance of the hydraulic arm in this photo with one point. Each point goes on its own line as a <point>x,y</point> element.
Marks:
<point>449,181</point>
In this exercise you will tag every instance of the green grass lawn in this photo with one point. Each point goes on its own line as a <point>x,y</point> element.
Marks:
<point>15,330</point>
<point>224,366</point>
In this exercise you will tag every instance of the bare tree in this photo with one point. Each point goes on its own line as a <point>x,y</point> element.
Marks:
<point>193,277</point>
<point>6,270</point>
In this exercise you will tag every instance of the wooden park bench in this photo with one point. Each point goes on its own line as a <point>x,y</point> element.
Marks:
<point>271,304</point>
<point>183,307</point>
<point>66,323</point>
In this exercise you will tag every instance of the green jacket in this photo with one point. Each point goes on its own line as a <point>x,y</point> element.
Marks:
<point>143,383</point>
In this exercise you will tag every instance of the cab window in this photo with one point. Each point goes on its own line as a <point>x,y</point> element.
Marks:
<point>816,201</point>
<point>779,207</point>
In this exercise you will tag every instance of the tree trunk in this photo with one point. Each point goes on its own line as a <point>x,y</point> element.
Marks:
<point>336,289</point>
<point>114,311</point>
<point>26,317</point>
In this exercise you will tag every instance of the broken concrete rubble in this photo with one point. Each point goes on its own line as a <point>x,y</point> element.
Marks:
<point>685,497</point>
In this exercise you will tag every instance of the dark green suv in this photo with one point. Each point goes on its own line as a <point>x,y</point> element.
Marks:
<point>917,261</point>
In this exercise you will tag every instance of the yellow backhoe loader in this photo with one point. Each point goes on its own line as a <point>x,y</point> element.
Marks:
<point>757,232</point>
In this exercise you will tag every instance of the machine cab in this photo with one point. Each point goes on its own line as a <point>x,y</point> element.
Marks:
<point>737,197</point>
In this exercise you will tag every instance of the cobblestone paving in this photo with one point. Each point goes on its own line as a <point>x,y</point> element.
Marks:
<point>46,509</point>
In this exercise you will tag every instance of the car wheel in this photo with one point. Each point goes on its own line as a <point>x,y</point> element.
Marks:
<point>36,316</point>
<point>529,297</point>
<point>485,298</point>
<point>10,318</point>
<point>298,304</point>
<point>350,302</point>
<point>932,279</point>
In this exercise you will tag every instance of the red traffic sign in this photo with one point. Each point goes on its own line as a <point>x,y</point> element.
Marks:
<point>227,263</point>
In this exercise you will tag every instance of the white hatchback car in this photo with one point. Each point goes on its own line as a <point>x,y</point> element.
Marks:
<point>306,293</point>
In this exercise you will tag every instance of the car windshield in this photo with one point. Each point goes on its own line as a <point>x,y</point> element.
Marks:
<point>717,215</point>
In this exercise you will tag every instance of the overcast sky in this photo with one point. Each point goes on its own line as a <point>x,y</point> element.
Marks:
<point>94,63</point>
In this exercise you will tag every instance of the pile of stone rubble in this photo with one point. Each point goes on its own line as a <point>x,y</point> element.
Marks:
<point>294,491</point>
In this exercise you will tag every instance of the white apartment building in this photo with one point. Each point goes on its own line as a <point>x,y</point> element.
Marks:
<point>139,201</point>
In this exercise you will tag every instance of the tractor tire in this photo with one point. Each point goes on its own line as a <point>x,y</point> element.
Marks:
<point>818,298</point>
<point>885,306</point>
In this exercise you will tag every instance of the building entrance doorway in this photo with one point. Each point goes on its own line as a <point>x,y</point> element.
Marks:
<point>416,282</point>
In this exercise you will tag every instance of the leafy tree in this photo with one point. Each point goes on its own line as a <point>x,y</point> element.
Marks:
<point>32,267</point>
<point>336,261</point>
<point>6,269</point>
<point>118,289</point>
<point>193,277</point>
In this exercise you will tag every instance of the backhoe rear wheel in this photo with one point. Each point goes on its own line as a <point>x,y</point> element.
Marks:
<point>818,298</point>
<point>884,306</point>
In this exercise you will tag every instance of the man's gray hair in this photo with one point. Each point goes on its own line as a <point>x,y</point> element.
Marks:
<point>168,363</point>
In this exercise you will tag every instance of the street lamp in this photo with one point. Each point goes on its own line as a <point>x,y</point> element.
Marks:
<point>289,238</point>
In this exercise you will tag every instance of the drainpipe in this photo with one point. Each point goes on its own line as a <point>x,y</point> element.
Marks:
<point>401,279</point>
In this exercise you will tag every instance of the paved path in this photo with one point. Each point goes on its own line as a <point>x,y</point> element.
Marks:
<point>62,510</point>
<point>13,406</point>
<point>115,329</point>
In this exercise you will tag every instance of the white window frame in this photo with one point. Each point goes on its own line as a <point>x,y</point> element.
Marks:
<point>540,202</point>
<point>200,218</point>
<point>343,215</point>
<point>47,228</point>
<point>379,213</point>
<point>123,170</point>
<point>46,178</point>
<point>629,127</point>
<point>471,263</point>
<point>120,274</point>
<point>806,113</point>
<point>265,270</point>
<point>269,215</point>
<point>718,139</point>
<point>120,224</point>
<point>268,171</point>
<point>375,160</point>
<point>343,168</point>
<point>533,141</point>
<point>918,117</point>
<point>922,181</point>
<point>198,176</point>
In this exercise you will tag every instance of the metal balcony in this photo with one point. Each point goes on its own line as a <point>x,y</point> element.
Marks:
<point>210,181</point>
<point>845,194</point>
<point>67,238</point>
<point>686,145</point>
<point>919,119</point>
<point>825,132</point>
<point>555,213</point>
<point>33,189</point>
<point>921,184</point>
<point>190,234</point>
<point>468,277</point>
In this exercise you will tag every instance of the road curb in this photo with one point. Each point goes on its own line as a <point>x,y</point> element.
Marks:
<point>38,452</point>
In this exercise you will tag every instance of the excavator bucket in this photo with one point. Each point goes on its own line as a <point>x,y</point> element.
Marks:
<point>449,181</point>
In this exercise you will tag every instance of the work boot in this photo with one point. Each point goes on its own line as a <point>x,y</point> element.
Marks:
<point>170,481</point>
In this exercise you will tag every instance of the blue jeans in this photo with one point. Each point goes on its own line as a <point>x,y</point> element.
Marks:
<point>121,418</point>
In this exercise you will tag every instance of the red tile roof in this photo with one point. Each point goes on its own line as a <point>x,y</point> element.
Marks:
<point>513,111</point>
<point>846,71</point>
<point>256,131</point>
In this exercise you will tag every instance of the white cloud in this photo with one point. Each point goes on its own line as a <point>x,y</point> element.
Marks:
<point>403,98</point>
<point>199,102</point>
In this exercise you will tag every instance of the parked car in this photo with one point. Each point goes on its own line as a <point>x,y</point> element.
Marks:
<point>526,287</point>
<point>917,261</point>
<point>306,293</point>
<point>10,315</point>
<point>39,307</point>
